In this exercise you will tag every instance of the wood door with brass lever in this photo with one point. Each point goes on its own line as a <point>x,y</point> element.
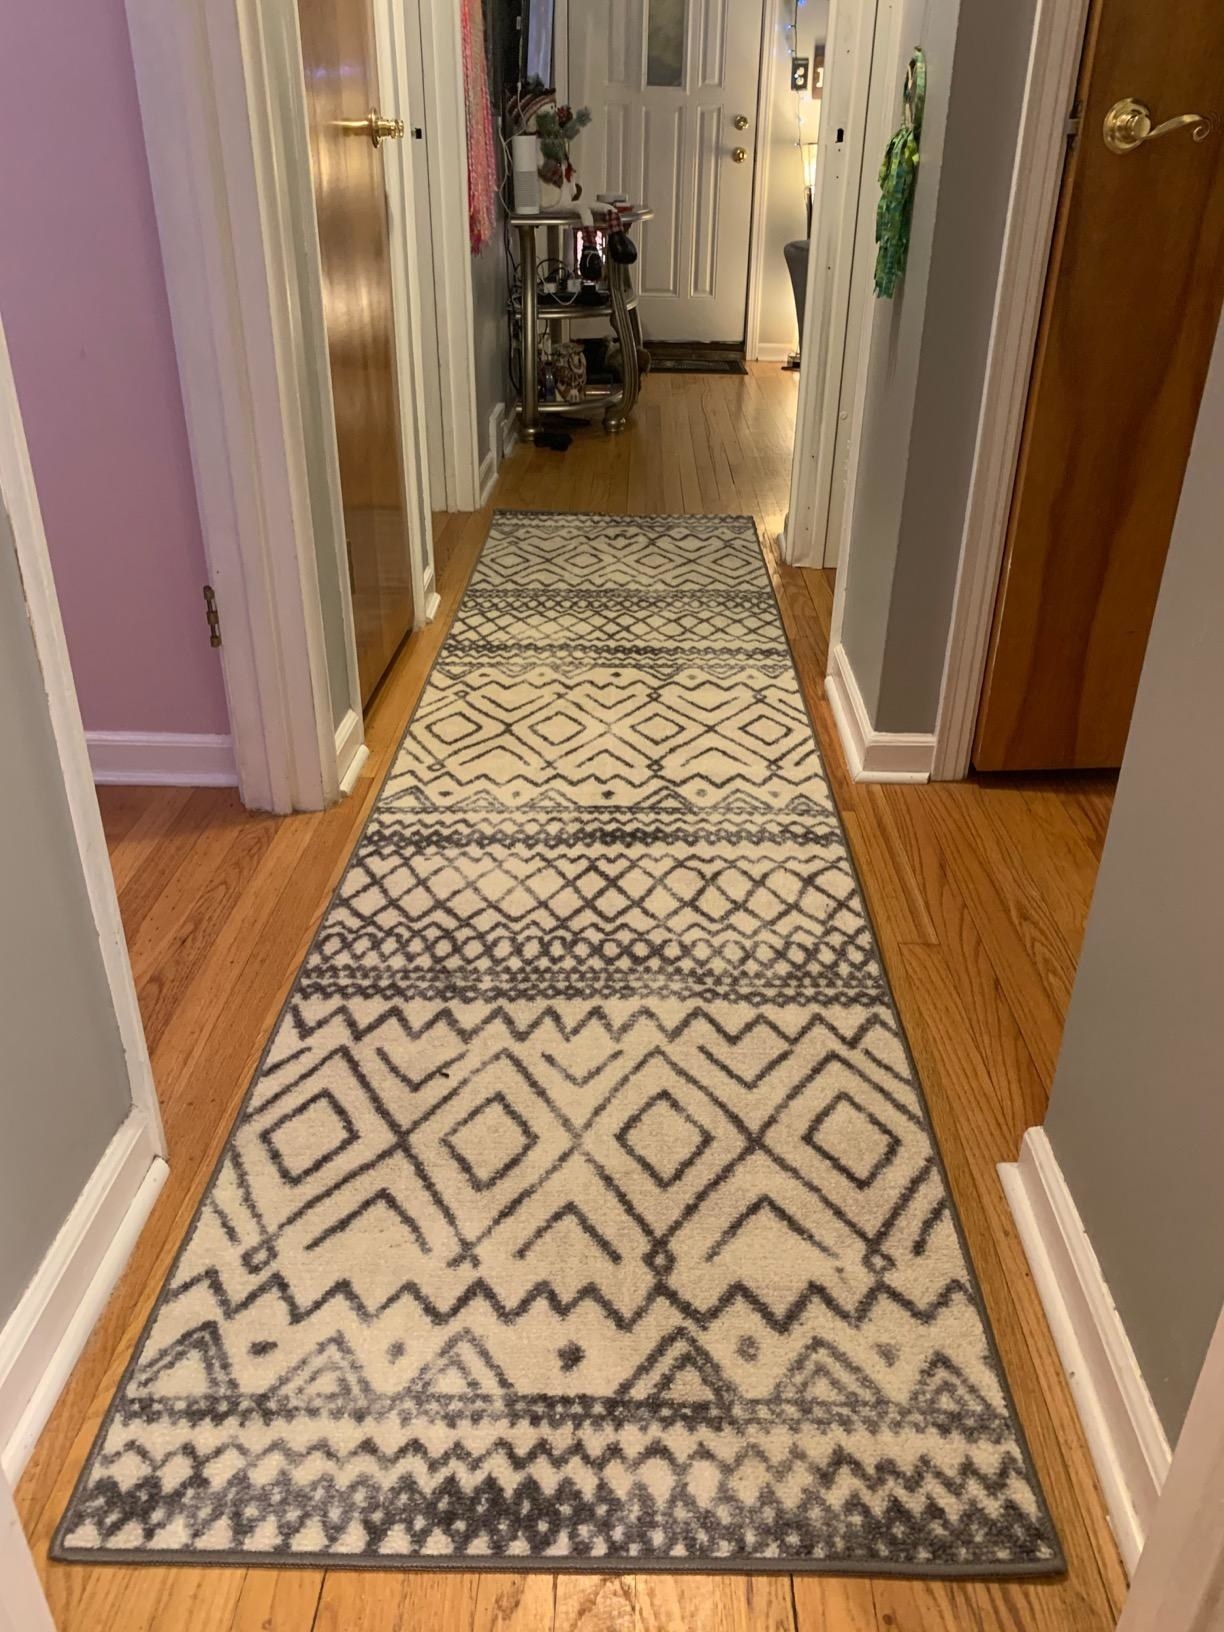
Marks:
<point>1129,316</point>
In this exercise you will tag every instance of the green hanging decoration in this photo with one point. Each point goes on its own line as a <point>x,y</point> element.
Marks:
<point>897,175</point>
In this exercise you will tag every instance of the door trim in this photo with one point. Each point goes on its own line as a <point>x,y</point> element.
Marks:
<point>449,249</point>
<point>753,349</point>
<point>1058,39</point>
<point>832,282</point>
<point>223,107</point>
<point>1179,1583</point>
<point>392,54</point>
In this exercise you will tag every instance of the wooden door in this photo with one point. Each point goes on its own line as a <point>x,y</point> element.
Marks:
<point>666,81</point>
<point>1131,307</point>
<point>351,203</point>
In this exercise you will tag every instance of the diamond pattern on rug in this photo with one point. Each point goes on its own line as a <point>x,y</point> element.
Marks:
<point>583,1206</point>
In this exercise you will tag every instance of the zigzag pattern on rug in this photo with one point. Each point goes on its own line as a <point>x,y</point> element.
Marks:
<point>584,1206</point>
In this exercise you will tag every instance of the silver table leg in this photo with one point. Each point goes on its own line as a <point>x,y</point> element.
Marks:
<point>617,415</point>
<point>529,416</point>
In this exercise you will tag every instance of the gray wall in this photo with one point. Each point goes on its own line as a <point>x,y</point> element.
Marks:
<point>63,1082</point>
<point>928,358</point>
<point>489,311</point>
<point>1137,1113</point>
<point>489,267</point>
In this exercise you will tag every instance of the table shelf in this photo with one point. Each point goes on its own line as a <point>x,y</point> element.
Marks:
<point>551,310</point>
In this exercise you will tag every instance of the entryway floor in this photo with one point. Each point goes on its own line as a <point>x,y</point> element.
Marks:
<point>979,893</point>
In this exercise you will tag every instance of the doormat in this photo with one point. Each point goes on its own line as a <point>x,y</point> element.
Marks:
<point>584,1205</point>
<point>695,359</point>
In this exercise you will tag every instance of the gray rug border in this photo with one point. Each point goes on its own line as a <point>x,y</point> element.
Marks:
<point>567,1564</point>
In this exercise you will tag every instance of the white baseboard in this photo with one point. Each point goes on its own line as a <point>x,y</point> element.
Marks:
<point>430,599</point>
<point>871,755</point>
<point>351,750</point>
<point>487,477</point>
<point>162,759</point>
<point>772,351</point>
<point>45,1334</point>
<point>355,767</point>
<point>491,463</point>
<point>1124,1433</point>
<point>509,434</point>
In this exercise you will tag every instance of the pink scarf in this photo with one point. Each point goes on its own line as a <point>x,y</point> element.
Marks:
<point>482,162</point>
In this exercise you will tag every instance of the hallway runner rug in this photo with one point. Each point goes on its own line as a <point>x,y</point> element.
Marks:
<point>584,1205</point>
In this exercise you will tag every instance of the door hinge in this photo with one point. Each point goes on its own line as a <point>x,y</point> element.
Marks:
<point>1072,125</point>
<point>214,617</point>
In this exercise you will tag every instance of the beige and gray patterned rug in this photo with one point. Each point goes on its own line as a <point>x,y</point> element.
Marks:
<point>584,1205</point>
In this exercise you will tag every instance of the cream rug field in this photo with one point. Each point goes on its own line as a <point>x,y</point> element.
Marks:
<point>584,1205</point>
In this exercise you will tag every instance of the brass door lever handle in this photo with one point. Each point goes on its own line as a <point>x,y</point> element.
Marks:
<point>374,126</point>
<point>1128,124</point>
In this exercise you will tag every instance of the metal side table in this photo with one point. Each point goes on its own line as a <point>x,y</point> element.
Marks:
<point>620,306</point>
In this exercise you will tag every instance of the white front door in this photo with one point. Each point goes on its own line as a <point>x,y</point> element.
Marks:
<point>668,83</point>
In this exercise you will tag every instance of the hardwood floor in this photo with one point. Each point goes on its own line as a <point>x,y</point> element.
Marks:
<point>979,893</point>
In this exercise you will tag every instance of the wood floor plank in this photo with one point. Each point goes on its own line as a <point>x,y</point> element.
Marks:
<point>175,945</point>
<point>714,1603</point>
<point>120,808</point>
<point>925,1606</point>
<point>277,1601</point>
<point>368,1601</point>
<point>1005,834</point>
<point>147,836</point>
<point>514,1603</point>
<point>829,1603</point>
<point>435,1601</point>
<point>1037,1009</point>
<point>1017,1085</point>
<point>894,896</point>
<point>208,816</point>
<point>595,1603</point>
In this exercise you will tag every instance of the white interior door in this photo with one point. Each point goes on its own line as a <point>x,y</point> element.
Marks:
<point>666,82</point>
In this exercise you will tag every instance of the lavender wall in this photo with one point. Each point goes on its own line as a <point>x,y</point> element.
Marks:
<point>83,299</point>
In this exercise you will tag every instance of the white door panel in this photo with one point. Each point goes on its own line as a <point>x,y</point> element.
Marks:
<point>665,81</point>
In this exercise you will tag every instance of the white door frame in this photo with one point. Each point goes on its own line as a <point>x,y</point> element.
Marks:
<point>222,101</point>
<point>1058,38</point>
<point>771,13</point>
<point>1178,1585</point>
<point>446,128</point>
<point>826,385</point>
<point>23,1604</point>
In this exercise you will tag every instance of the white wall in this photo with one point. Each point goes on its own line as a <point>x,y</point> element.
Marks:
<point>785,216</point>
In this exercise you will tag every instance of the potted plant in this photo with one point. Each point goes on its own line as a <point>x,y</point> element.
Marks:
<point>541,135</point>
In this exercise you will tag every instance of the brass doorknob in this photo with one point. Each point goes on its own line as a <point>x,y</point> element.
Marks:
<point>1128,124</point>
<point>739,154</point>
<point>740,121</point>
<point>375,127</point>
